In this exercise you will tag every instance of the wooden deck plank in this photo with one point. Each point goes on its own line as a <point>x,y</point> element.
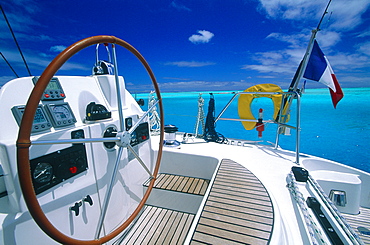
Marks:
<point>158,231</point>
<point>249,194</point>
<point>204,188</point>
<point>193,186</point>
<point>242,184</point>
<point>159,226</point>
<point>202,238</point>
<point>238,179</point>
<point>167,181</point>
<point>172,228</point>
<point>146,225</point>
<point>176,238</point>
<point>360,220</point>
<point>234,227</point>
<point>244,190</point>
<point>237,203</point>
<point>179,181</point>
<point>182,185</point>
<point>237,221</point>
<point>185,229</point>
<point>237,200</point>
<point>247,216</point>
<point>145,216</point>
<point>173,181</point>
<point>229,235</point>
<point>160,180</point>
<point>198,187</point>
<point>187,185</point>
<point>238,209</point>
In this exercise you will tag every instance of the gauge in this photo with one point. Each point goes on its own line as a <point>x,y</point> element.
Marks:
<point>43,172</point>
<point>61,114</point>
<point>41,121</point>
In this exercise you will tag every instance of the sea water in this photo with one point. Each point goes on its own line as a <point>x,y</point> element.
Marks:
<point>341,134</point>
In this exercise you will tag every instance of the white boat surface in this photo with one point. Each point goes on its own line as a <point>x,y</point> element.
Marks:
<point>93,168</point>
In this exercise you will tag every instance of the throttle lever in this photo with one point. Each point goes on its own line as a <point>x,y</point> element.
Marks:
<point>76,208</point>
<point>88,199</point>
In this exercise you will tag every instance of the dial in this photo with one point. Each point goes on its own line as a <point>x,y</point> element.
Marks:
<point>61,112</point>
<point>43,172</point>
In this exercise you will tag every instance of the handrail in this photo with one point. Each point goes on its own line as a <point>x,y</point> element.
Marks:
<point>295,94</point>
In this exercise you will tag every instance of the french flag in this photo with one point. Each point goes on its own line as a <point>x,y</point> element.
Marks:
<point>318,69</point>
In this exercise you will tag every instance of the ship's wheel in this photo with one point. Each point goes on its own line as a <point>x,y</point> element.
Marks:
<point>24,142</point>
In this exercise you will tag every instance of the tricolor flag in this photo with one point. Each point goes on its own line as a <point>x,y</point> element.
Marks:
<point>318,69</point>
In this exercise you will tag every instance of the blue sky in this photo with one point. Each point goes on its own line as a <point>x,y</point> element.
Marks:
<point>192,45</point>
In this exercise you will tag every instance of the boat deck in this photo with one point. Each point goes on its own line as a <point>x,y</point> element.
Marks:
<point>238,209</point>
<point>360,223</point>
<point>179,183</point>
<point>159,226</point>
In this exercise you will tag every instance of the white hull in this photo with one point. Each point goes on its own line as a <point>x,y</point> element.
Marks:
<point>195,158</point>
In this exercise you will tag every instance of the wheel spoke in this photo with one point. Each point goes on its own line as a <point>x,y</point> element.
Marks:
<point>140,160</point>
<point>132,129</point>
<point>122,140</point>
<point>75,141</point>
<point>108,194</point>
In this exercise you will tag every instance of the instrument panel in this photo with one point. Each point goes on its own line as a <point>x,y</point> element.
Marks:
<point>41,121</point>
<point>53,91</point>
<point>53,112</point>
<point>47,116</point>
<point>61,114</point>
<point>54,168</point>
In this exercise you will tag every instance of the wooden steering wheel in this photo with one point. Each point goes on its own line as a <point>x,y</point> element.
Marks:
<point>24,142</point>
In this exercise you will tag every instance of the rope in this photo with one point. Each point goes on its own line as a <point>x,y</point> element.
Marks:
<point>352,235</point>
<point>200,116</point>
<point>154,120</point>
<point>313,229</point>
<point>210,134</point>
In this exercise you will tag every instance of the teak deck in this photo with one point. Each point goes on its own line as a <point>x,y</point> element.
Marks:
<point>360,222</point>
<point>159,226</point>
<point>238,211</point>
<point>179,183</point>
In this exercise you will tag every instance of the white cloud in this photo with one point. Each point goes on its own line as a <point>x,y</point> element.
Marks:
<point>179,6</point>
<point>344,14</point>
<point>190,63</point>
<point>300,40</point>
<point>203,37</point>
<point>364,33</point>
<point>204,85</point>
<point>57,48</point>
<point>364,48</point>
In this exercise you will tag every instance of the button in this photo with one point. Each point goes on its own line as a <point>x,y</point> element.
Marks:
<point>73,170</point>
<point>46,95</point>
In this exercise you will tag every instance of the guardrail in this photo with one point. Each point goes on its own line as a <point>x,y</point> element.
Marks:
<point>285,97</point>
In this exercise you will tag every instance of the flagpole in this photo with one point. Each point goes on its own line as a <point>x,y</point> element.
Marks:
<point>303,66</point>
<point>301,69</point>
